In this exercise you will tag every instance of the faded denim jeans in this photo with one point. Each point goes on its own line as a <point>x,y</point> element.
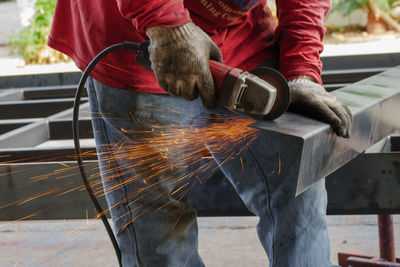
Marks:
<point>155,229</point>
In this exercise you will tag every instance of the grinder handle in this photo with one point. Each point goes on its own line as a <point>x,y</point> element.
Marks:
<point>218,70</point>
<point>223,75</point>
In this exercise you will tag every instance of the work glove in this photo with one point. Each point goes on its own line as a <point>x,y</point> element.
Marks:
<point>180,60</point>
<point>310,98</point>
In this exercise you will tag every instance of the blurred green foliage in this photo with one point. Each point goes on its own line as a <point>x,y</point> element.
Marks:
<point>31,41</point>
<point>346,7</point>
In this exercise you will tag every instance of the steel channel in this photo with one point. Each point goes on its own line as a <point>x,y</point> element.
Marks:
<point>349,75</point>
<point>62,91</point>
<point>6,126</point>
<point>32,154</point>
<point>34,108</point>
<point>48,79</point>
<point>388,60</point>
<point>61,129</point>
<point>55,189</point>
<point>369,184</point>
<point>10,95</point>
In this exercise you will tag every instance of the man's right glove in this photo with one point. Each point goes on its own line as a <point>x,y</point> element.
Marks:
<point>180,61</point>
<point>311,98</point>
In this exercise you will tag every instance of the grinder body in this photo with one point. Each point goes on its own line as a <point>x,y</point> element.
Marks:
<point>262,93</point>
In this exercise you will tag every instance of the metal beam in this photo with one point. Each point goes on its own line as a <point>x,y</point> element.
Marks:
<point>26,136</point>
<point>388,60</point>
<point>45,191</point>
<point>61,129</point>
<point>343,63</point>
<point>6,126</point>
<point>369,184</point>
<point>34,108</point>
<point>354,189</point>
<point>24,139</point>
<point>374,103</point>
<point>11,95</point>
<point>47,79</point>
<point>32,154</point>
<point>47,92</point>
<point>349,75</point>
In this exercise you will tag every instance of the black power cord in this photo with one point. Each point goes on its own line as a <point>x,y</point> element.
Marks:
<point>136,47</point>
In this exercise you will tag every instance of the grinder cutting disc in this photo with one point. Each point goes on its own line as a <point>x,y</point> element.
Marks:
<point>282,96</point>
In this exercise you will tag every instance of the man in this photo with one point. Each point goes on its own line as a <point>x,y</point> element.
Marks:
<point>153,227</point>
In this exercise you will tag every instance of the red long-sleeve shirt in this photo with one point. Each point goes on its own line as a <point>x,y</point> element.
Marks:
<point>243,29</point>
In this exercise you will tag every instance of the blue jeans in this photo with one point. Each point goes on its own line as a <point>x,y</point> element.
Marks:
<point>153,227</point>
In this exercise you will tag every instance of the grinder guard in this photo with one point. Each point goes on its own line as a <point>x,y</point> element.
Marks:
<point>282,99</point>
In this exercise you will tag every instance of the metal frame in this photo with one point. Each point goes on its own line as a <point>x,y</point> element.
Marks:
<point>374,103</point>
<point>390,173</point>
<point>33,115</point>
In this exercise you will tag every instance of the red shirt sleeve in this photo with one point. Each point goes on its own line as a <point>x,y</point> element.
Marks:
<point>165,13</point>
<point>299,34</point>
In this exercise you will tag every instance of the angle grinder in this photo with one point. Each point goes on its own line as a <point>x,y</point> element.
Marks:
<point>262,93</point>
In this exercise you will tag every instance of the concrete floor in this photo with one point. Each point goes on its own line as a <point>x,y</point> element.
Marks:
<point>230,241</point>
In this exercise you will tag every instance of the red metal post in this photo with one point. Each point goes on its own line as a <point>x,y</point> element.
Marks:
<point>362,262</point>
<point>386,245</point>
<point>386,238</point>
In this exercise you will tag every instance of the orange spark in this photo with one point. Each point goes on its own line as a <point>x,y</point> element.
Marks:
<point>179,188</point>
<point>157,157</point>
<point>279,163</point>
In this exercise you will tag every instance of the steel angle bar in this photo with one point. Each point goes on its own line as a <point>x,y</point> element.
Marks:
<point>373,179</point>
<point>6,126</point>
<point>33,134</point>
<point>349,75</point>
<point>43,191</point>
<point>370,183</point>
<point>26,136</point>
<point>84,113</point>
<point>11,95</point>
<point>34,108</point>
<point>29,155</point>
<point>61,129</point>
<point>48,79</point>
<point>387,60</point>
<point>395,143</point>
<point>61,91</point>
<point>311,147</point>
<point>35,93</point>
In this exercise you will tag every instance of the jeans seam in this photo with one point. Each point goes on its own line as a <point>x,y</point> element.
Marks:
<point>118,177</point>
<point>269,209</point>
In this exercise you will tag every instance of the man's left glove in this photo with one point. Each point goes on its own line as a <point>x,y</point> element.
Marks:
<point>311,98</point>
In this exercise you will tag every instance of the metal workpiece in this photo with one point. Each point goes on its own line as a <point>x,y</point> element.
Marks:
<point>56,185</point>
<point>350,69</point>
<point>373,188</point>
<point>34,108</point>
<point>375,104</point>
<point>44,79</point>
<point>370,183</point>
